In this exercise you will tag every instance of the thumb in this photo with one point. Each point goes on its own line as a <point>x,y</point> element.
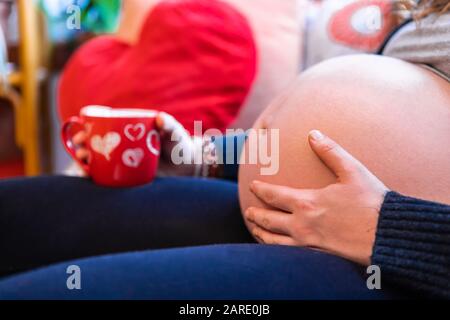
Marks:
<point>177,137</point>
<point>167,124</point>
<point>338,160</point>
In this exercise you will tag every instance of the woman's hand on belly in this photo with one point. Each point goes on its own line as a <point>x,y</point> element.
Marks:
<point>340,218</point>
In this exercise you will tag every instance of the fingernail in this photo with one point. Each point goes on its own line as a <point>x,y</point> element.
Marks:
<point>252,185</point>
<point>316,135</point>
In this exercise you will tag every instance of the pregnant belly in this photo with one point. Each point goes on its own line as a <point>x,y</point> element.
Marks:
<point>381,115</point>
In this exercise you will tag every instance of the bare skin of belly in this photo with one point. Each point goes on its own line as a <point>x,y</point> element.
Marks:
<point>391,115</point>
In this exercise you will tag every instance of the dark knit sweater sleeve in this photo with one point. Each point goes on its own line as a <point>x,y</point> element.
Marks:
<point>412,245</point>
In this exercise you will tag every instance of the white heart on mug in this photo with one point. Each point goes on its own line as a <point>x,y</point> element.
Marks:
<point>150,145</point>
<point>133,157</point>
<point>134,132</point>
<point>105,145</point>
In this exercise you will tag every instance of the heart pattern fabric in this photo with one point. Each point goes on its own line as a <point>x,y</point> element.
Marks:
<point>362,25</point>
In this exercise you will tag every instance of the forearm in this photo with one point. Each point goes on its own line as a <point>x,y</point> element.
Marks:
<point>412,245</point>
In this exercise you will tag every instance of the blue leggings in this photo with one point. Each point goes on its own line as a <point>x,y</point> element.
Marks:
<point>120,238</point>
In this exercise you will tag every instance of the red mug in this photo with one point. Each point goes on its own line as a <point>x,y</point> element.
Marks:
<point>123,144</point>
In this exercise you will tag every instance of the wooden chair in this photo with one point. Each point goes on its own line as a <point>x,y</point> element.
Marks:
<point>26,79</point>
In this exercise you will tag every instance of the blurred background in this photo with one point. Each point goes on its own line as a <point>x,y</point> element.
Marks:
<point>35,44</point>
<point>37,38</point>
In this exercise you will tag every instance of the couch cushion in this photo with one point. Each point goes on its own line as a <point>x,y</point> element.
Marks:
<point>276,25</point>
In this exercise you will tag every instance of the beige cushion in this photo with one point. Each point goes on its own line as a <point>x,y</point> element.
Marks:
<point>276,25</point>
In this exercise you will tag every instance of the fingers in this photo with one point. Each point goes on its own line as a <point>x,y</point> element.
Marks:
<point>159,121</point>
<point>82,154</point>
<point>168,124</point>
<point>270,220</point>
<point>334,156</point>
<point>281,197</point>
<point>79,138</point>
<point>271,238</point>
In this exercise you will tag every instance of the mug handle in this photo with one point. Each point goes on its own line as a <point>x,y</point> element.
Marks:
<point>68,143</point>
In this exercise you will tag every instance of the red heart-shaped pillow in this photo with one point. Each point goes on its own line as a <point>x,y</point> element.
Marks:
<point>195,59</point>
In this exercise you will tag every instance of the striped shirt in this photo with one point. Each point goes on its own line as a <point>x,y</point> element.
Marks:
<point>426,42</point>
